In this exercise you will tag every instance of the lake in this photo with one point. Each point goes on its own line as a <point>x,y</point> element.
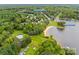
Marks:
<point>69,37</point>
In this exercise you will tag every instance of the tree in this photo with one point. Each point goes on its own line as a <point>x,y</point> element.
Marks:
<point>50,47</point>
<point>25,41</point>
<point>11,49</point>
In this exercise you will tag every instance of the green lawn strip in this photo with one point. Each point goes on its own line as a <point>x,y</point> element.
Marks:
<point>52,23</point>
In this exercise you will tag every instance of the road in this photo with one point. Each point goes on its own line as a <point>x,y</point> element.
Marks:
<point>22,52</point>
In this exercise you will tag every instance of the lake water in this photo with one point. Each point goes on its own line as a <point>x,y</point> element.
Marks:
<point>69,37</point>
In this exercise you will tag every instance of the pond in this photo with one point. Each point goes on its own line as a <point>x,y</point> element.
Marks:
<point>69,37</point>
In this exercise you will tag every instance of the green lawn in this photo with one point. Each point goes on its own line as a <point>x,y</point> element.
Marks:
<point>52,23</point>
<point>36,41</point>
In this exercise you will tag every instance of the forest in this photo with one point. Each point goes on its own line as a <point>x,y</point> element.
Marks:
<point>30,23</point>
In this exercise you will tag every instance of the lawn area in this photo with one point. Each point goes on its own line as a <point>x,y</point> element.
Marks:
<point>52,23</point>
<point>35,44</point>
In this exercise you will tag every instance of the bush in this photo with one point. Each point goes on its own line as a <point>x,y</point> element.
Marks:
<point>70,51</point>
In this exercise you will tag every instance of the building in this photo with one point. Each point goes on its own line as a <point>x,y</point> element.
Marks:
<point>39,10</point>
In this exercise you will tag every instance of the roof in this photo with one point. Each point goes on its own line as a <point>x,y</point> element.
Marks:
<point>20,36</point>
<point>39,10</point>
